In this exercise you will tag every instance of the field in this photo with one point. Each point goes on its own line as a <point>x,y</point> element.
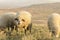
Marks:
<point>40,30</point>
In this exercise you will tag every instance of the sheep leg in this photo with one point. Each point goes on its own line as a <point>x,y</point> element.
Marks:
<point>25,31</point>
<point>12,29</point>
<point>29,27</point>
<point>8,28</point>
<point>16,29</point>
<point>54,33</point>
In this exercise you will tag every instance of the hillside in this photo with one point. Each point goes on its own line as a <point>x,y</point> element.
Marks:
<point>41,12</point>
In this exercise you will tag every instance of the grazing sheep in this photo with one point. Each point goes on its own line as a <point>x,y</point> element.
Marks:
<point>8,20</point>
<point>25,20</point>
<point>54,24</point>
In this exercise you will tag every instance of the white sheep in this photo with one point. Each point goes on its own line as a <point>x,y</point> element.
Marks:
<point>25,20</point>
<point>54,24</point>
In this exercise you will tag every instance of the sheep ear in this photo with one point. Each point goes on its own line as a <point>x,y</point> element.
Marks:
<point>17,14</point>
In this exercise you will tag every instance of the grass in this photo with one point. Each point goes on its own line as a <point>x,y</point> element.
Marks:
<point>39,32</point>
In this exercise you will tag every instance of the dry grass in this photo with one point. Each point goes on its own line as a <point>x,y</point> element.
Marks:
<point>39,32</point>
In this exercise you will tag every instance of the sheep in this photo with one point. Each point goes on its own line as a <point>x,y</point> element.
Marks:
<point>9,20</point>
<point>54,24</point>
<point>25,21</point>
